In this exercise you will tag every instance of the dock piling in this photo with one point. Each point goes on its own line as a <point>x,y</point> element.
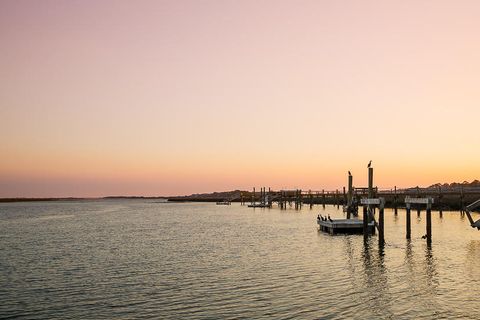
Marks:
<point>381,224</point>
<point>408,224</point>
<point>365,223</point>
<point>429,221</point>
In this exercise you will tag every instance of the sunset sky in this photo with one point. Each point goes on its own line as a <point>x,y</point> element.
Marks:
<point>177,97</point>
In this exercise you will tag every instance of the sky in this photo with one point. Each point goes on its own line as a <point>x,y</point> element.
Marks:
<point>177,97</point>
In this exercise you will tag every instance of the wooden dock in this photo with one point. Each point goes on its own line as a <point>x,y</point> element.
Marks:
<point>348,226</point>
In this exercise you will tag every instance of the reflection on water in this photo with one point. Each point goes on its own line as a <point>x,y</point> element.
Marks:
<point>128,259</point>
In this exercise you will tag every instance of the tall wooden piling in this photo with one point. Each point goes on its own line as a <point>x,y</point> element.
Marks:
<point>350,196</point>
<point>323,198</point>
<point>310,196</point>
<point>429,221</point>
<point>300,198</point>
<point>440,196</point>
<point>462,200</point>
<point>336,199</point>
<point>409,223</point>
<point>370,192</point>
<point>370,183</point>
<point>395,201</point>
<point>365,222</point>
<point>381,224</point>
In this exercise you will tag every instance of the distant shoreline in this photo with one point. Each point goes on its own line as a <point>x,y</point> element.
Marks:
<point>9,200</point>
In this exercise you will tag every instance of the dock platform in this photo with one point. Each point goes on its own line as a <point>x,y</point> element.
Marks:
<point>348,226</point>
<point>258,205</point>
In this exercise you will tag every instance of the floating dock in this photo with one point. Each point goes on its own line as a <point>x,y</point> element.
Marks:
<point>258,205</point>
<point>348,226</point>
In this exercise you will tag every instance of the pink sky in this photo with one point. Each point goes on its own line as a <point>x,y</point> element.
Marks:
<point>177,97</point>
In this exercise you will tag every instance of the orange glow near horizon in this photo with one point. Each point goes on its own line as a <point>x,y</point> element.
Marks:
<point>171,98</point>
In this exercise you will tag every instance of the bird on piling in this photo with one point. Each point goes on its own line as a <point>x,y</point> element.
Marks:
<point>349,173</point>
<point>330,219</point>
<point>369,164</point>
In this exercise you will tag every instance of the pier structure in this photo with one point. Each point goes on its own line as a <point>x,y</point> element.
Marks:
<point>264,200</point>
<point>452,199</point>
<point>369,204</point>
<point>428,201</point>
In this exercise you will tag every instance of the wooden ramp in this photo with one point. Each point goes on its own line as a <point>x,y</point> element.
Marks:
<point>348,226</point>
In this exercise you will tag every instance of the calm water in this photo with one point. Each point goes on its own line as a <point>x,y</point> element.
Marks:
<point>134,259</point>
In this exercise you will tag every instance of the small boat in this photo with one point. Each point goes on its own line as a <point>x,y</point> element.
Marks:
<point>223,203</point>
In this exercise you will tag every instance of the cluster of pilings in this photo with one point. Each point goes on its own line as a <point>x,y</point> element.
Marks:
<point>371,203</point>
<point>369,198</point>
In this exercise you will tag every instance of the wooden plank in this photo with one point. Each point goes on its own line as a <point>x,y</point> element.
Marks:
<point>366,201</point>
<point>419,200</point>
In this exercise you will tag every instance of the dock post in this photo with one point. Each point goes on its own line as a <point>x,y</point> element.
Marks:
<point>381,223</point>
<point>440,196</point>
<point>370,192</point>
<point>429,221</point>
<point>264,195</point>
<point>301,198</point>
<point>323,198</point>
<point>336,199</point>
<point>365,223</point>
<point>310,195</point>
<point>270,202</point>
<point>408,224</point>
<point>296,199</point>
<point>253,196</point>
<point>370,182</point>
<point>462,201</point>
<point>395,201</point>
<point>350,196</point>
<point>418,208</point>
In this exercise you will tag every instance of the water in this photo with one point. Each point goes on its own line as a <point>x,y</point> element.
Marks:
<point>140,259</point>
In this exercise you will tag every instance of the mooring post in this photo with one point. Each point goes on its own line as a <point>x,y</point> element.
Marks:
<point>344,201</point>
<point>265,195</point>
<point>418,207</point>
<point>336,199</point>
<point>370,183</point>
<point>253,196</point>
<point>350,196</point>
<point>408,224</point>
<point>370,191</point>
<point>300,198</point>
<point>395,201</point>
<point>365,222</point>
<point>429,221</point>
<point>295,199</point>
<point>323,198</point>
<point>381,223</point>
<point>310,196</point>
<point>440,201</point>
